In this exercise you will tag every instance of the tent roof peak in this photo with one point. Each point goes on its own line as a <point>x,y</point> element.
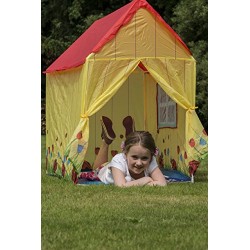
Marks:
<point>101,32</point>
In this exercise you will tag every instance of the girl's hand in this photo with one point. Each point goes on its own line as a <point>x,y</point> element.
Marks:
<point>158,178</point>
<point>156,183</point>
<point>119,179</point>
<point>139,182</point>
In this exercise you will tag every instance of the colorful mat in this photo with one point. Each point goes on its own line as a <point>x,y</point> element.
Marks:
<point>170,175</point>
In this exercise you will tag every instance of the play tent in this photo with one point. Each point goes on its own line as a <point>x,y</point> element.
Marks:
<point>129,62</point>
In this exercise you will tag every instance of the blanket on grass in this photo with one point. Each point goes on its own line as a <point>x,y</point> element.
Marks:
<point>91,178</point>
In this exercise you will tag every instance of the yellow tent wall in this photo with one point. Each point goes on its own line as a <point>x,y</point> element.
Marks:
<point>110,83</point>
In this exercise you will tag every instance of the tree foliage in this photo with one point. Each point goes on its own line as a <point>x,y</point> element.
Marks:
<point>63,21</point>
<point>190,21</point>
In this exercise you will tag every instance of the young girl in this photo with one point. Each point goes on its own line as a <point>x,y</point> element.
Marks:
<point>136,165</point>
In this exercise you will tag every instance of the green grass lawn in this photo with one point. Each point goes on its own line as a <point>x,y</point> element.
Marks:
<point>107,217</point>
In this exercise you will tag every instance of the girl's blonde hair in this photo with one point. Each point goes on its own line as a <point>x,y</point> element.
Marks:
<point>143,138</point>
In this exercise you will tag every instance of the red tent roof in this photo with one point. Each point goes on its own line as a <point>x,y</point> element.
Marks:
<point>99,33</point>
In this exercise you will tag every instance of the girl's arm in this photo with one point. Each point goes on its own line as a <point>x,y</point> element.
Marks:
<point>158,178</point>
<point>119,179</point>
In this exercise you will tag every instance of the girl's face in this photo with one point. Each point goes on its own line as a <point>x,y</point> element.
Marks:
<point>138,159</point>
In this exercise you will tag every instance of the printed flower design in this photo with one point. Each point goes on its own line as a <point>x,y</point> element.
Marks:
<point>55,165</point>
<point>193,165</point>
<point>185,155</point>
<point>173,164</point>
<point>64,158</point>
<point>202,141</point>
<point>63,170</point>
<point>204,132</point>
<point>161,161</point>
<point>74,176</point>
<point>80,148</point>
<point>197,144</point>
<point>168,152</point>
<point>72,158</point>
<point>192,142</point>
<point>75,150</point>
<point>178,149</point>
<point>181,158</point>
<point>46,163</point>
<point>79,135</point>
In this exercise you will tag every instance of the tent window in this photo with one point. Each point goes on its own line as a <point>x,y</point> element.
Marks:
<point>166,110</point>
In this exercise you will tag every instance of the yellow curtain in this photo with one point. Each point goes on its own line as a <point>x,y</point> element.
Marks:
<point>101,80</point>
<point>171,76</point>
<point>63,109</point>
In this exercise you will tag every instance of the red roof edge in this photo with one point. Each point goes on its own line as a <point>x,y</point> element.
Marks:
<point>112,29</point>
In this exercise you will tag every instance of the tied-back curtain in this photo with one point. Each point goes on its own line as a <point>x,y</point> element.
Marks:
<point>171,79</point>
<point>177,79</point>
<point>101,80</point>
